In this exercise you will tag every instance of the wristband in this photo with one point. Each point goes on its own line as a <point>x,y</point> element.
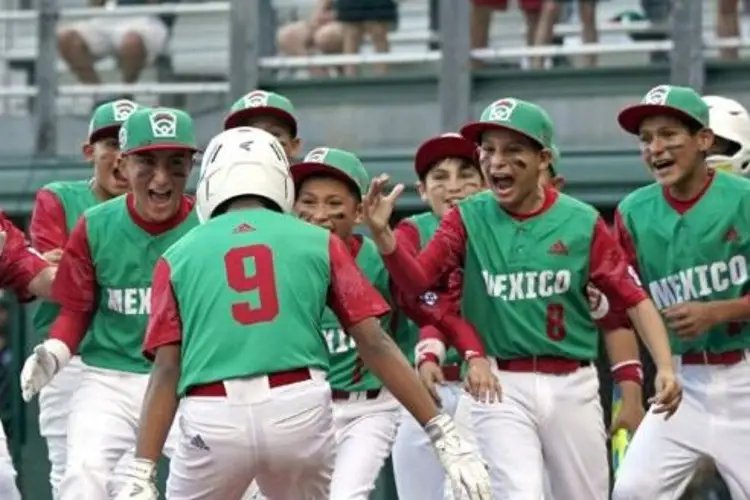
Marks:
<point>630,371</point>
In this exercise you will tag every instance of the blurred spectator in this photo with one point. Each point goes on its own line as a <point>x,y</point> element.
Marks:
<point>134,41</point>
<point>549,16</point>
<point>366,17</point>
<point>321,33</point>
<point>728,26</point>
<point>481,16</point>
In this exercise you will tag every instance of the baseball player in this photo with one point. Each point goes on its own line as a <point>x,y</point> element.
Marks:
<point>686,236</point>
<point>103,287</point>
<point>329,184</point>
<point>57,208</point>
<point>267,111</point>
<point>243,350</point>
<point>24,271</point>
<point>448,171</point>
<point>730,123</point>
<point>528,253</point>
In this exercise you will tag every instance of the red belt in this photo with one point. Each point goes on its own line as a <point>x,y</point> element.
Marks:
<point>541,364</point>
<point>452,373</point>
<point>709,358</point>
<point>344,395</point>
<point>278,379</point>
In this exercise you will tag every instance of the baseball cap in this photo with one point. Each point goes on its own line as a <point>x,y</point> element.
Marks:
<point>335,163</point>
<point>449,145</point>
<point>260,102</point>
<point>682,103</point>
<point>107,118</point>
<point>151,129</point>
<point>520,116</point>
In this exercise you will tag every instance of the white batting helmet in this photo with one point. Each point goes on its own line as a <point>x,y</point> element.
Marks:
<point>243,161</point>
<point>730,121</point>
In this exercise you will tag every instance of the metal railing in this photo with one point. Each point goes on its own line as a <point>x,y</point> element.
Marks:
<point>246,21</point>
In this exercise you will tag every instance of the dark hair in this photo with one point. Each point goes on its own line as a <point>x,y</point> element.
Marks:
<point>465,162</point>
<point>350,185</point>
<point>224,206</point>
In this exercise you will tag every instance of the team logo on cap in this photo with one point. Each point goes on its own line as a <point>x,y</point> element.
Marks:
<point>657,95</point>
<point>163,124</point>
<point>316,155</point>
<point>502,110</point>
<point>122,109</point>
<point>122,137</point>
<point>256,99</point>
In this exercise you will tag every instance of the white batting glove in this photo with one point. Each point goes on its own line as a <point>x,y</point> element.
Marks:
<point>465,468</point>
<point>40,367</point>
<point>140,481</point>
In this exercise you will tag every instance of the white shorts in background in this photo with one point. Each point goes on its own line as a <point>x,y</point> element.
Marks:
<point>8,490</point>
<point>104,36</point>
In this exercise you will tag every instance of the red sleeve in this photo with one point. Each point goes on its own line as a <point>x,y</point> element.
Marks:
<point>443,253</point>
<point>625,240</point>
<point>164,323</point>
<point>352,298</point>
<point>610,270</point>
<point>74,289</point>
<point>407,235</point>
<point>429,332</point>
<point>462,335</point>
<point>48,228</point>
<point>19,263</point>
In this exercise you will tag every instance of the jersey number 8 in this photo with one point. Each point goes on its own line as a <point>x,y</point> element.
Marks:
<point>556,322</point>
<point>262,281</point>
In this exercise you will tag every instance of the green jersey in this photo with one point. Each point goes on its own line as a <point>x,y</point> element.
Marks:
<point>700,255</point>
<point>524,280</point>
<point>427,224</point>
<point>75,198</point>
<point>250,296</point>
<point>123,256</point>
<point>347,371</point>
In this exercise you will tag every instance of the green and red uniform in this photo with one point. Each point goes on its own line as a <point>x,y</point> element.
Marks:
<point>524,275</point>
<point>660,235</point>
<point>252,302</point>
<point>103,283</point>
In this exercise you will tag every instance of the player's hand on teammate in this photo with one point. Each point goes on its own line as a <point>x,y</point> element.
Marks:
<point>691,319</point>
<point>140,481</point>
<point>377,207</point>
<point>431,376</point>
<point>668,393</point>
<point>40,367</point>
<point>481,383</point>
<point>53,256</point>
<point>469,476</point>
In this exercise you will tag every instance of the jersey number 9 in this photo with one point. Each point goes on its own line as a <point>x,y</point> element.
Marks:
<point>262,281</point>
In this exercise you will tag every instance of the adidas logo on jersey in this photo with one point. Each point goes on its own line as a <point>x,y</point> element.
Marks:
<point>197,442</point>
<point>558,248</point>
<point>731,234</point>
<point>242,228</point>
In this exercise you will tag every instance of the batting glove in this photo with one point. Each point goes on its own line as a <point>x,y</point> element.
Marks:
<point>40,367</point>
<point>467,471</point>
<point>140,481</point>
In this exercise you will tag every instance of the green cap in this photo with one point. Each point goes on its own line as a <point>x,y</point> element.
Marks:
<point>555,159</point>
<point>438,148</point>
<point>150,129</point>
<point>108,117</point>
<point>258,103</point>
<point>517,115</point>
<point>335,163</point>
<point>682,103</point>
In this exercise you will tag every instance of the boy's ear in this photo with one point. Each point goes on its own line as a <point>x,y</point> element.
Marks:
<point>421,191</point>
<point>296,146</point>
<point>359,216</point>
<point>87,150</point>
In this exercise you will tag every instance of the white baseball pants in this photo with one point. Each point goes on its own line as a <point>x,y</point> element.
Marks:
<point>713,420</point>
<point>549,424</point>
<point>281,436</point>
<point>102,429</point>
<point>365,431</point>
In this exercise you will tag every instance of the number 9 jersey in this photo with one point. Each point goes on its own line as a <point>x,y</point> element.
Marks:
<point>251,287</point>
